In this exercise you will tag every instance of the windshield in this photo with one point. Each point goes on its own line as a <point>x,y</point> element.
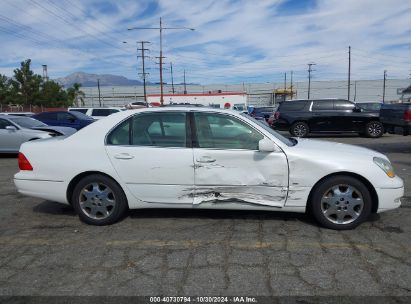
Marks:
<point>27,122</point>
<point>277,135</point>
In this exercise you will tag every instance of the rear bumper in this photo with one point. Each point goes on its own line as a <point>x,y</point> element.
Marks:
<point>280,125</point>
<point>49,190</point>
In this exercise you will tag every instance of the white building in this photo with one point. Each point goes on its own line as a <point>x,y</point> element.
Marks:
<point>237,100</point>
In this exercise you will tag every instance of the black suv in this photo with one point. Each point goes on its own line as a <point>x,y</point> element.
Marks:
<point>302,117</point>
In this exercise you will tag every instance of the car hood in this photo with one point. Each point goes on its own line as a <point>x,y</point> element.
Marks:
<point>60,130</point>
<point>323,148</point>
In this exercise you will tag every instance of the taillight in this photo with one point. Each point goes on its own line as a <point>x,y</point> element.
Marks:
<point>277,115</point>
<point>407,115</point>
<point>24,163</point>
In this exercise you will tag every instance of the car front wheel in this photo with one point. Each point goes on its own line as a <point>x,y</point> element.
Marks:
<point>98,200</point>
<point>341,203</point>
<point>374,129</point>
<point>299,129</point>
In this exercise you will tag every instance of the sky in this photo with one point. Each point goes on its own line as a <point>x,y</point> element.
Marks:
<point>234,41</point>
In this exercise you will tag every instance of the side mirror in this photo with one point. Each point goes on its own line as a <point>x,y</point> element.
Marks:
<point>266,145</point>
<point>11,128</point>
<point>357,109</point>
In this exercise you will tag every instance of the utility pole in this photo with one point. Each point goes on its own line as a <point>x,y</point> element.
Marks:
<point>349,71</point>
<point>285,81</point>
<point>161,28</point>
<point>172,78</point>
<point>291,86</point>
<point>309,78</point>
<point>185,88</point>
<point>383,89</point>
<point>144,74</point>
<point>99,94</point>
<point>355,90</point>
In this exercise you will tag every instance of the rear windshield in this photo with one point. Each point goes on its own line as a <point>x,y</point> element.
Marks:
<point>292,105</point>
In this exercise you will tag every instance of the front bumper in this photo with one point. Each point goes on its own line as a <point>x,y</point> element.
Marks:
<point>389,198</point>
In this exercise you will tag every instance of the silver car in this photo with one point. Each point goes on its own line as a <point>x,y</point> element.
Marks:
<point>15,130</point>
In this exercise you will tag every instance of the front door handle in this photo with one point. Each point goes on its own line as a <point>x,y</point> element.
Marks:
<point>123,156</point>
<point>206,159</point>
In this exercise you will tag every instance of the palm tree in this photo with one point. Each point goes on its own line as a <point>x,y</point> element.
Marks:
<point>76,95</point>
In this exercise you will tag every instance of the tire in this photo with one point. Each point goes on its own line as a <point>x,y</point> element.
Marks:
<point>335,207</point>
<point>299,129</point>
<point>99,200</point>
<point>374,129</point>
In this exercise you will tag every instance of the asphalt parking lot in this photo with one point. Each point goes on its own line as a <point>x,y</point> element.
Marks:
<point>45,250</point>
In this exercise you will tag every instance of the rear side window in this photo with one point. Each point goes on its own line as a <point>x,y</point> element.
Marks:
<point>65,116</point>
<point>102,112</point>
<point>320,105</point>
<point>292,105</point>
<point>84,111</point>
<point>120,136</point>
<point>151,129</point>
<point>47,116</point>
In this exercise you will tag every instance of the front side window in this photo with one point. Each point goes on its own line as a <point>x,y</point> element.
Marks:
<point>221,131</point>
<point>343,105</point>
<point>151,129</point>
<point>4,123</point>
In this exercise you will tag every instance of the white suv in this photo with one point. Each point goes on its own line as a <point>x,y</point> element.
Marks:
<point>97,113</point>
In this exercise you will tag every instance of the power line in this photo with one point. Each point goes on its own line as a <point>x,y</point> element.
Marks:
<point>71,23</point>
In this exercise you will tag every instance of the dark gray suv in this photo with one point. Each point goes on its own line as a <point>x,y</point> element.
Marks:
<point>302,117</point>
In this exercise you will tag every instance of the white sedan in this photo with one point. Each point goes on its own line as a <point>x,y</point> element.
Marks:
<point>205,158</point>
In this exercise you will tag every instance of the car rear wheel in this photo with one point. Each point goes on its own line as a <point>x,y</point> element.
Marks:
<point>98,200</point>
<point>374,129</point>
<point>341,203</point>
<point>299,129</point>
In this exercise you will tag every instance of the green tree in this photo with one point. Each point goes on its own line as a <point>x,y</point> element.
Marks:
<point>4,89</point>
<point>26,83</point>
<point>52,95</point>
<point>75,95</point>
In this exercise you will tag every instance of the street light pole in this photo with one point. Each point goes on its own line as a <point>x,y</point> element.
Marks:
<point>161,28</point>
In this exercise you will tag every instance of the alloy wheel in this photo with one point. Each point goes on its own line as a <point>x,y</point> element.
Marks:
<point>300,130</point>
<point>97,200</point>
<point>374,129</point>
<point>342,204</point>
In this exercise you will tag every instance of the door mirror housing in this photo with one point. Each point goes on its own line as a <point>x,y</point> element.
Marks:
<point>11,128</point>
<point>266,145</point>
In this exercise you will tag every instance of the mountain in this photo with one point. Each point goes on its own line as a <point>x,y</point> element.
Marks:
<point>90,80</point>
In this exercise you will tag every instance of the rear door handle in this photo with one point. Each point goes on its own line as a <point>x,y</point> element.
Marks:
<point>206,159</point>
<point>123,156</point>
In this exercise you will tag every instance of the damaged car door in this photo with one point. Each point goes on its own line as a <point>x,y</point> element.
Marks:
<point>230,169</point>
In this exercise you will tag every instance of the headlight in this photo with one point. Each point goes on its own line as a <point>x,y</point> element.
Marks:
<point>385,165</point>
